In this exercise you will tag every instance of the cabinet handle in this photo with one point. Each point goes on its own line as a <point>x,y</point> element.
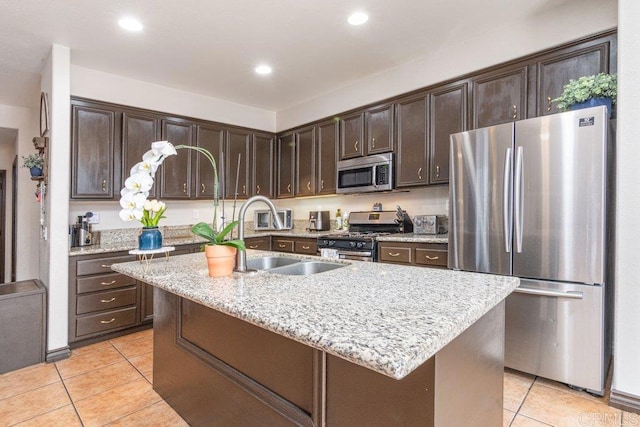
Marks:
<point>108,283</point>
<point>289,188</point>
<point>244,189</point>
<point>322,184</point>
<point>104,185</point>
<point>105,266</point>
<point>257,189</point>
<point>282,245</point>
<point>515,111</point>
<point>306,247</point>
<point>393,254</point>
<point>309,185</point>
<point>203,187</point>
<point>105,301</point>
<point>433,258</point>
<point>548,103</point>
<point>184,187</point>
<point>253,246</point>
<point>106,322</point>
<point>437,171</point>
<point>373,143</point>
<point>419,173</point>
<point>355,146</point>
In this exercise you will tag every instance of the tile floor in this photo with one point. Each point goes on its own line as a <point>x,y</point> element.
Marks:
<point>109,384</point>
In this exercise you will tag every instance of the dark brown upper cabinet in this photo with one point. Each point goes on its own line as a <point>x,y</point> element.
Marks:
<point>262,164</point>
<point>306,162</point>
<point>352,142</point>
<point>237,164</point>
<point>286,155</point>
<point>412,146</point>
<point>175,172</point>
<point>500,96</point>
<point>327,141</point>
<point>210,138</point>
<point>379,129</point>
<point>139,130</point>
<point>448,113</point>
<point>95,146</point>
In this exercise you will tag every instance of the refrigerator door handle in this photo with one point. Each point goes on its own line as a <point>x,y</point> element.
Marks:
<point>507,218</point>
<point>518,200</point>
<point>545,293</point>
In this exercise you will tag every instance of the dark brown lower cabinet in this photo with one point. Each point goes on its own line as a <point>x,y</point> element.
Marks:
<point>420,254</point>
<point>258,243</point>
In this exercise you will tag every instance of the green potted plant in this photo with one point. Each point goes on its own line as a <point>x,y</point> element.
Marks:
<point>34,162</point>
<point>220,253</point>
<point>589,91</point>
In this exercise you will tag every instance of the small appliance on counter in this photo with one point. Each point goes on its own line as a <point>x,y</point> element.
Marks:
<point>263,219</point>
<point>430,224</point>
<point>80,232</point>
<point>319,221</point>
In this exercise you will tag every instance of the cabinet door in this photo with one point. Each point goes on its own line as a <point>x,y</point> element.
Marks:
<point>285,165</point>
<point>554,71</point>
<point>306,162</point>
<point>175,171</point>
<point>379,131</point>
<point>146,302</point>
<point>412,150</point>
<point>263,160</point>
<point>210,138</point>
<point>448,113</point>
<point>95,143</point>
<point>138,132</point>
<point>352,136</point>
<point>327,141</point>
<point>500,97</point>
<point>237,161</point>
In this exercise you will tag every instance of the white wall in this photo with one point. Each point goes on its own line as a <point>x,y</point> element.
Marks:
<point>8,145</point>
<point>103,86</point>
<point>26,122</point>
<point>626,374</point>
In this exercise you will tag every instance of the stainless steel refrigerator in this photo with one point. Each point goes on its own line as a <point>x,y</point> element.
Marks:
<point>529,199</point>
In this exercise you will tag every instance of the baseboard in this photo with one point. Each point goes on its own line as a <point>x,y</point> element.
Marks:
<point>624,401</point>
<point>58,354</point>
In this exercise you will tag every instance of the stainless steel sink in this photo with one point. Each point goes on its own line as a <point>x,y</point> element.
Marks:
<point>269,262</point>
<point>306,268</point>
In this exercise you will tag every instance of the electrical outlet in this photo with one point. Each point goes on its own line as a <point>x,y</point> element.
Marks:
<point>95,219</point>
<point>196,214</point>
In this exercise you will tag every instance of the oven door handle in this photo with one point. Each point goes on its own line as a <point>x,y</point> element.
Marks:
<point>354,253</point>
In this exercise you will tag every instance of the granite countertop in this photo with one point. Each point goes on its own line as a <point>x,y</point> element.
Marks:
<point>415,238</point>
<point>388,318</point>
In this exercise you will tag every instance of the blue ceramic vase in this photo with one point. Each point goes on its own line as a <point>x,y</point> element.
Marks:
<point>149,239</point>
<point>593,102</point>
<point>35,171</point>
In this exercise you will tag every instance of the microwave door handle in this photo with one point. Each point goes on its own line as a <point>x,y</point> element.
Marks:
<point>374,180</point>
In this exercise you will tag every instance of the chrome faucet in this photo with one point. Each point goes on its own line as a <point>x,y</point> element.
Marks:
<point>241,256</point>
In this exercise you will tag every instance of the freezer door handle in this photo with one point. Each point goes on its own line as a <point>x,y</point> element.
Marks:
<point>518,200</point>
<point>547,293</point>
<point>507,218</point>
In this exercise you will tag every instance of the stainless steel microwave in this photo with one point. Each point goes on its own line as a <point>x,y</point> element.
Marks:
<point>365,174</point>
<point>263,219</point>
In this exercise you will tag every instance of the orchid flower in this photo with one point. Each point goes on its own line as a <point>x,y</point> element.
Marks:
<point>131,200</point>
<point>131,214</point>
<point>139,182</point>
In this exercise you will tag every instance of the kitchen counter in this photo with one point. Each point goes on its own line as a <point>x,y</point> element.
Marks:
<point>387,318</point>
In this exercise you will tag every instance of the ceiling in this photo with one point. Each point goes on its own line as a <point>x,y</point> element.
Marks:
<point>211,47</point>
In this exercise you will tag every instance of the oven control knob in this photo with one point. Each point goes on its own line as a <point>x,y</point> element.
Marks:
<point>352,244</point>
<point>331,242</point>
<point>360,244</point>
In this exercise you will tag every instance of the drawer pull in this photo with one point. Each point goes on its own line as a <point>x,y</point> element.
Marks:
<point>203,188</point>
<point>253,246</point>
<point>393,254</point>
<point>282,245</point>
<point>309,186</point>
<point>105,266</point>
<point>322,184</point>
<point>289,188</point>
<point>419,173</point>
<point>257,189</point>
<point>106,322</point>
<point>548,103</point>
<point>433,258</point>
<point>355,146</point>
<point>306,247</point>
<point>106,301</point>
<point>108,283</point>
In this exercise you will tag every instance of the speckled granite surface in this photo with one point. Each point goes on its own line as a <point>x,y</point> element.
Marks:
<point>388,318</point>
<point>415,238</point>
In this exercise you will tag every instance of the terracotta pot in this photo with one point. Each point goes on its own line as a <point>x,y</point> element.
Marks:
<point>221,259</point>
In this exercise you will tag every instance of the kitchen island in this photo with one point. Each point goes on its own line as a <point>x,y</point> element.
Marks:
<point>365,344</point>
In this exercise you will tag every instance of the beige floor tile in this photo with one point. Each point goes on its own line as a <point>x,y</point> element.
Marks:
<point>157,415</point>
<point>563,387</point>
<point>93,347</point>
<point>507,417</point>
<point>142,345</point>
<point>630,419</point>
<point>132,337</point>
<point>100,380</point>
<point>85,361</point>
<point>143,363</point>
<point>26,379</point>
<point>149,377</point>
<point>63,417</point>
<point>522,421</point>
<point>562,408</point>
<point>33,403</point>
<point>516,387</point>
<point>111,405</point>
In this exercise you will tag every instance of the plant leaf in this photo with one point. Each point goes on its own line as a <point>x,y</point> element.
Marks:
<point>226,231</point>
<point>238,244</point>
<point>204,230</point>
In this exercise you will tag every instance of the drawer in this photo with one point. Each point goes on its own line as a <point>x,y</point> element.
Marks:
<point>106,300</point>
<point>306,247</point>
<point>283,245</point>
<point>107,321</point>
<point>263,244</point>
<point>431,257</point>
<point>395,254</point>
<point>103,282</point>
<point>100,265</point>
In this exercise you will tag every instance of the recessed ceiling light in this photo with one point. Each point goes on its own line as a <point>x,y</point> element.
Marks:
<point>130,24</point>
<point>263,69</point>
<point>358,18</point>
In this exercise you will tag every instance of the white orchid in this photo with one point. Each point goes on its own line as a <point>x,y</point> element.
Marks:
<point>131,200</point>
<point>131,214</point>
<point>145,166</point>
<point>139,182</point>
<point>164,148</point>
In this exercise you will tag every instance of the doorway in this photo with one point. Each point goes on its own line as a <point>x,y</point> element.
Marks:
<point>3,202</point>
<point>14,213</point>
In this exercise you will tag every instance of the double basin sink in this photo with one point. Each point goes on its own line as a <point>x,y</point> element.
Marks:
<point>291,266</point>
